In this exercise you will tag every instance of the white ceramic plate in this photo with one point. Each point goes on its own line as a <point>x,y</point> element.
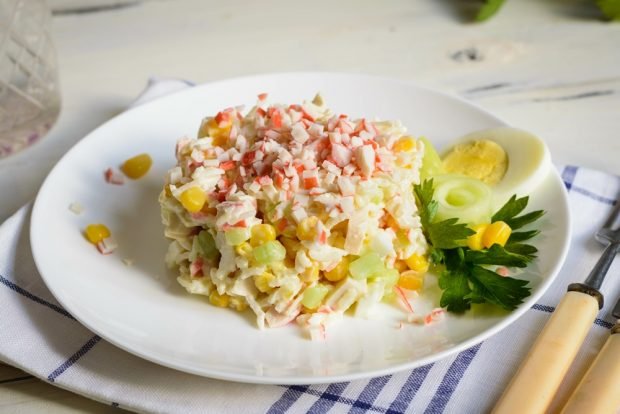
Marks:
<point>142,309</point>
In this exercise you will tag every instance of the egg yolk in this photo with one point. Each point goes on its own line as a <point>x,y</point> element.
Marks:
<point>484,160</point>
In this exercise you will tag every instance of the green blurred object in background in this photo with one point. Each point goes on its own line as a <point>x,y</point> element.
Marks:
<point>610,9</point>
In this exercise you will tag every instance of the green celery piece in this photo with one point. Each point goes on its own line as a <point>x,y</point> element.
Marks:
<point>207,245</point>
<point>431,162</point>
<point>269,252</point>
<point>314,295</point>
<point>237,235</point>
<point>389,278</point>
<point>366,266</point>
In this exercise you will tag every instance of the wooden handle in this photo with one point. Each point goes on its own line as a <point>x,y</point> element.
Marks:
<point>540,374</point>
<point>599,389</point>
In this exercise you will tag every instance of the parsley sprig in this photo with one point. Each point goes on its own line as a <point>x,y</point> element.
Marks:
<point>465,278</point>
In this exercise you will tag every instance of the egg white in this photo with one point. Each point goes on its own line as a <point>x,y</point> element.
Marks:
<point>529,161</point>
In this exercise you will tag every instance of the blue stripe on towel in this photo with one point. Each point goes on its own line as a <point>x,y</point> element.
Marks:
<point>369,394</point>
<point>322,405</point>
<point>568,176</point>
<point>288,398</point>
<point>451,380</point>
<point>74,358</point>
<point>594,196</point>
<point>33,297</point>
<point>409,390</point>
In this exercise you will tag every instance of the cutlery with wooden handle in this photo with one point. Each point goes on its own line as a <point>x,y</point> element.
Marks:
<point>543,369</point>
<point>598,391</point>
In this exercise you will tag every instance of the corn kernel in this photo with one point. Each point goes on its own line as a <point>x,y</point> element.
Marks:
<point>244,250</point>
<point>306,230</point>
<point>262,282</point>
<point>337,240</point>
<point>96,232</point>
<point>193,199</point>
<point>496,233</point>
<point>262,233</point>
<point>209,211</point>
<point>137,166</point>
<point>411,280</point>
<point>323,216</point>
<point>291,245</point>
<point>418,263</point>
<point>474,241</point>
<point>218,134</point>
<point>404,144</point>
<point>341,227</point>
<point>401,266</point>
<point>218,300</point>
<point>339,272</point>
<point>311,274</point>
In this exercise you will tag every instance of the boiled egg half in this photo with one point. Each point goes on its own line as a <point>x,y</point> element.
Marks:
<point>510,160</point>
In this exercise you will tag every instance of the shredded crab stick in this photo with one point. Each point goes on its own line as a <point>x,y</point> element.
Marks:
<point>113,177</point>
<point>295,212</point>
<point>101,237</point>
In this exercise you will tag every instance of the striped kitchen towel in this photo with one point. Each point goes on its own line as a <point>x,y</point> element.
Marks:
<point>40,337</point>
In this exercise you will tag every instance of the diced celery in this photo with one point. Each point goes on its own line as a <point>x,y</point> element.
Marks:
<point>389,278</point>
<point>271,251</point>
<point>431,163</point>
<point>237,235</point>
<point>207,245</point>
<point>313,296</point>
<point>366,266</point>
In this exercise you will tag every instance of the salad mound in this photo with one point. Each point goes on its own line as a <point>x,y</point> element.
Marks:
<point>294,211</point>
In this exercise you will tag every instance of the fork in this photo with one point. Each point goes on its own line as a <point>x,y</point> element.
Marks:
<point>536,382</point>
<point>599,389</point>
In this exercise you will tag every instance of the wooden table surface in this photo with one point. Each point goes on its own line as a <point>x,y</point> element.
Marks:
<point>550,67</point>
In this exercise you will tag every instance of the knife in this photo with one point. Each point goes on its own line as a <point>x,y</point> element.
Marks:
<point>598,391</point>
<point>543,369</point>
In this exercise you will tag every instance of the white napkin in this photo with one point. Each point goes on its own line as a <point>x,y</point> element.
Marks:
<point>40,337</point>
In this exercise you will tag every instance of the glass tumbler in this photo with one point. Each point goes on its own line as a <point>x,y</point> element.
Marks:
<point>29,90</point>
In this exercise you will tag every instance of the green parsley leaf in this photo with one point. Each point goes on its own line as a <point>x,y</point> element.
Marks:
<point>518,222</point>
<point>520,236</point>
<point>610,8</point>
<point>437,255</point>
<point>524,250</point>
<point>489,9</point>
<point>509,210</point>
<point>456,289</point>
<point>506,292</point>
<point>428,207</point>
<point>497,255</point>
<point>465,280</point>
<point>448,234</point>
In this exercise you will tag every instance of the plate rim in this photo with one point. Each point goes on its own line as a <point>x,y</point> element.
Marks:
<point>38,208</point>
